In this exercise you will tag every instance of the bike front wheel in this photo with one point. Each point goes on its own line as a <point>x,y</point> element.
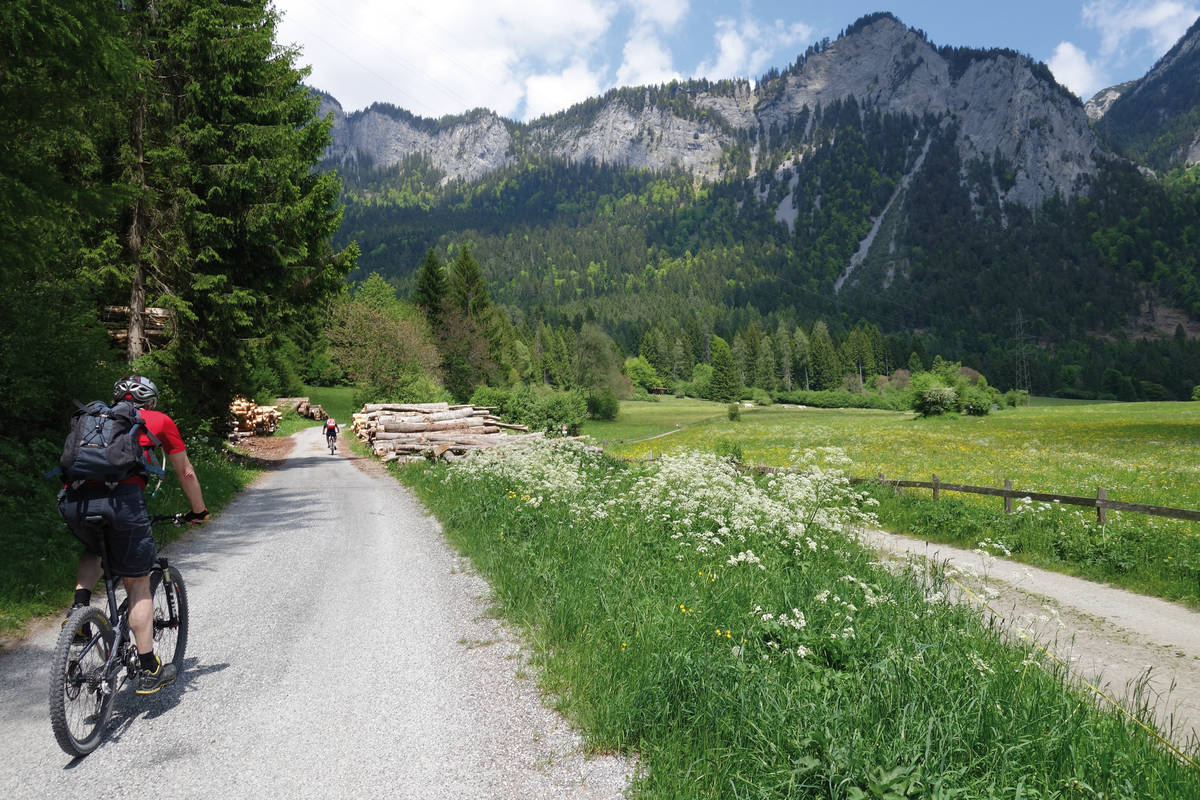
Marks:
<point>170,616</point>
<point>81,693</point>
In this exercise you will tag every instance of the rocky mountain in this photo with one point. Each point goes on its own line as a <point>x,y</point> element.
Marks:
<point>1103,100</point>
<point>1001,108</point>
<point>1156,120</point>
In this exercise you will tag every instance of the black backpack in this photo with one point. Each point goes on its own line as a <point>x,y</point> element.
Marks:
<point>104,444</point>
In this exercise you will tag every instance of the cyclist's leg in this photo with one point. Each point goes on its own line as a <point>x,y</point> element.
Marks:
<point>131,551</point>
<point>88,571</point>
<point>141,612</point>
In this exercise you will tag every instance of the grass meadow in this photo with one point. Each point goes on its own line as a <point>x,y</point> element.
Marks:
<point>723,628</point>
<point>1145,453</point>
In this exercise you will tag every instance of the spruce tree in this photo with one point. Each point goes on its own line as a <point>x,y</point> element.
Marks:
<point>432,286</point>
<point>726,387</point>
<point>235,222</point>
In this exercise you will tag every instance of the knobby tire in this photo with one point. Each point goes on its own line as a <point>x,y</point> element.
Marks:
<point>79,710</point>
<point>170,636</point>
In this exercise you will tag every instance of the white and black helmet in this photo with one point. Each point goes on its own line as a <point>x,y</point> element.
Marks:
<point>141,391</point>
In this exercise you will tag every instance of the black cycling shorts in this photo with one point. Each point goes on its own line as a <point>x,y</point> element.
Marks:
<point>130,539</point>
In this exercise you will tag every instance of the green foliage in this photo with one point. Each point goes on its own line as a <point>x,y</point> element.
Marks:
<point>384,346</point>
<point>603,404</point>
<point>724,384</point>
<point>641,373</point>
<point>1196,393</point>
<point>734,412</point>
<point>540,410</point>
<point>935,400</point>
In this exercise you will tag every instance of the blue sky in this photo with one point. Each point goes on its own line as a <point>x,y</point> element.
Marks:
<point>526,58</point>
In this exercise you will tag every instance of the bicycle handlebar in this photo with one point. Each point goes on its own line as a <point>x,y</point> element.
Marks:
<point>182,518</point>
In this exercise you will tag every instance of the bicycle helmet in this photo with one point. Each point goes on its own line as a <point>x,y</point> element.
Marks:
<point>140,391</point>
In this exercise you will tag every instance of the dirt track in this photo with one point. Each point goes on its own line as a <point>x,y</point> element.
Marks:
<point>1139,650</point>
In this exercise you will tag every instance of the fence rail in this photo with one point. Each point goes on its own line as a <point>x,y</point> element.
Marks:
<point>1100,502</point>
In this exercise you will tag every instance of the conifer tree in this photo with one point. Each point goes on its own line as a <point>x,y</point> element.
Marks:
<point>229,224</point>
<point>826,371</point>
<point>432,287</point>
<point>726,387</point>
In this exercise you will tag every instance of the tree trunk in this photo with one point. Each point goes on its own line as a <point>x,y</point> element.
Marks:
<point>136,345</point>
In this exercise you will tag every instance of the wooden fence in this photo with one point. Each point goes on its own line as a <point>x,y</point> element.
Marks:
<point>1100,502</point>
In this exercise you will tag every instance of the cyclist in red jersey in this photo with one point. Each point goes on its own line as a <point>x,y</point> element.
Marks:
<point>129,537</point>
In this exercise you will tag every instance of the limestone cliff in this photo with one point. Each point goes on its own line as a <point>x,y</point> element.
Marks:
<point>1002,105</point>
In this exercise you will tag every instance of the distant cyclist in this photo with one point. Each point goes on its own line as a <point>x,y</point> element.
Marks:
<point>129,537</point>
<point>331,433</point>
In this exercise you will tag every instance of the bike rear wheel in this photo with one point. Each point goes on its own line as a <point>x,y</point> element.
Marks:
<point>329,440</point>
<point>81,695</point>
<point>170,625</point>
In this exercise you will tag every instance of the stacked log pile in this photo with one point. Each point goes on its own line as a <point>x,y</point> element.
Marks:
<point>433,430</point>
<point>303,407</point>
<point>251,419</point>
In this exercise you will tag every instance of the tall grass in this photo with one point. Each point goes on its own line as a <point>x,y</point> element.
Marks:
<point>724,629</point>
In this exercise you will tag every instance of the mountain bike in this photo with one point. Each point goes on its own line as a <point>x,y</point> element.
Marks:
<point>332,442</point>
<point>96,653</point>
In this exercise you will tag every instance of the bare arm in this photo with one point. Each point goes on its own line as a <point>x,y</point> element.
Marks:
<point>187,479</point>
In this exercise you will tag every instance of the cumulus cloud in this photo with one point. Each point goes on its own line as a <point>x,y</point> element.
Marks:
<point>1072,69</point>
<point>1128,24</point>
<point>646,60</point>
<point>551,92</point>
<point>746,48</point>
<point>520,58</point>
<point>446,57</point>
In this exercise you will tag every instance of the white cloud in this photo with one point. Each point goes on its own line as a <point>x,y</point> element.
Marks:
<point>546,94</point>
<point>664,14</point>
<point>1126,25</point>
<point>646,60</point>
<point>446,57</point>
<point>1072,69</point>
<point>746,49</point>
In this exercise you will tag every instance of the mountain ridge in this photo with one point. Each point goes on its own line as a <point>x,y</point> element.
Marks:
<point>1042,131</point>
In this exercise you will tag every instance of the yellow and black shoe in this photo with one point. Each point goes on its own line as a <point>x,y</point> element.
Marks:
<point>151,682</point>
<point>84,634</point>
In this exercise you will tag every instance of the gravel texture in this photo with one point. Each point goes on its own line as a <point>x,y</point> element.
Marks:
<point>338,648</point>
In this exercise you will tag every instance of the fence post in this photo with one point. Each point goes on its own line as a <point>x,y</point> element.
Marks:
<point>1101,511</point>
<point>936,486</point>
<point>1007,497</point>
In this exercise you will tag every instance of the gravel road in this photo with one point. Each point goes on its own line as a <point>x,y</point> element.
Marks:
<point>338,648</point>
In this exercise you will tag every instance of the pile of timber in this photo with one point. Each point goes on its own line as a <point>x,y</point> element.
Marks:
<point>251,419</point>
<point>302,407</point>
<point>433,430</point>
<point>155,322</point>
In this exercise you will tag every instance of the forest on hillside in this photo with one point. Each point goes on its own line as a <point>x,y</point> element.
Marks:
<point>1055,293</point>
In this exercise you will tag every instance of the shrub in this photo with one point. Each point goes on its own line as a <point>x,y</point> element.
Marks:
<point>935,400</point>
<point>1196,393</point>
<point>760,397</point>
<point>975,402</point>
<point>491,397</point>
<point>735,412</point>
<point>602,404</point>
<point>1014,398</point>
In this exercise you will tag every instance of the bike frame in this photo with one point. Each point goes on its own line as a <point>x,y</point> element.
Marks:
<point>118,614</point>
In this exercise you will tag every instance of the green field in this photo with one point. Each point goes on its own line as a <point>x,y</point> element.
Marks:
<point>1139,452</point>
<point>1146,453</point>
